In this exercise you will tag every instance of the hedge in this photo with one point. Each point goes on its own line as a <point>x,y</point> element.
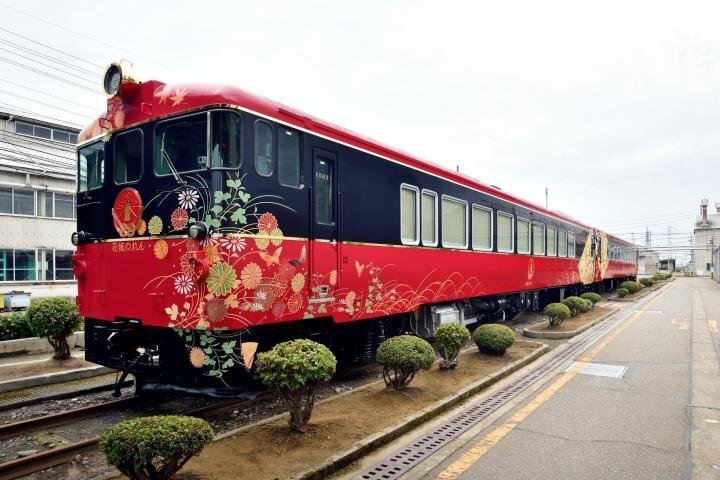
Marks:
<point>402,357</point>
<point>557,313</point>
<point>493,338</point>
<point>576,305</point>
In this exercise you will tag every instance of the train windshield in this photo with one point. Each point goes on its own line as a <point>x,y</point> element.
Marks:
<point>181,145</point>
<point>91,166</point>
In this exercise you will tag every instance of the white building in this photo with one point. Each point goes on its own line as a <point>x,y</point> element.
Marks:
<point>37,205</point>
<point>706,234</point>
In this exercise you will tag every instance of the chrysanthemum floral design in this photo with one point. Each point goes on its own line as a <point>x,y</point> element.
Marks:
<point>197,357</point>
<point>277,236</point>
<point>184,284</point>
<point>262,242</point>
<point>286,272</point>
<point>233,243</point>
<point>155,225</point>
<point>192,245</point>
<point>277,286</point>
<point>298,282</point>
<point>216,310</point>
<point>211,254</point>
<point>267,223</point>
<point>333,277</point>
<point>188,198</point>
<point>187,264</point>
<point>294,303</point>
<point>278,309</point>
<point>179,218</point>
<point>211,239</point>
<point>251,275</point>
<point>263,295</point>
<point>160,248</point>
<point>221,279</point>
<point>350,299</point>
<point>142,227</point>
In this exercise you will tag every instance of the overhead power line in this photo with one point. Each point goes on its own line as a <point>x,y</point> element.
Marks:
<point>42,115</point>
<point>95,109</point>
<point>83,115</point>
<point>79,77</point>
<point>41,72</point>
<point>49,57</point>
<point>44,44</point>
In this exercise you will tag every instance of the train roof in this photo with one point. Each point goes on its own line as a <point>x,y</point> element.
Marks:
<point>152,99</point>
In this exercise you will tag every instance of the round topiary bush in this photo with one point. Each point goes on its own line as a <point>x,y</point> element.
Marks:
<point>295,368</point>
<point>622,292</point>
<point>557,313</point>
<point>658,277</point>
<point>402,357</point>
<point>54,318</point>
<point>592,296</point>
<point>647,282</point>
<point>493,338</point>
<point>630,286</point>
<point>150,448</point>
<point>576,305</point>
<point>449,339</point>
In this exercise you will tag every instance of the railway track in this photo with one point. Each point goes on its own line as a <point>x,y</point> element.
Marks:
<point>59,455</point>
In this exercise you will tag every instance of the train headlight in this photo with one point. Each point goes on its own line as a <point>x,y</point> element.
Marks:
<point>80,237</point>
<point>113,79</point>
<point>197,231</point>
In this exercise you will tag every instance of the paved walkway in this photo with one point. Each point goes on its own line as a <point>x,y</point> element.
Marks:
<point>660,420</point>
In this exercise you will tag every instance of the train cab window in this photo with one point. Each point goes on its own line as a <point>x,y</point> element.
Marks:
<point>409,213</point>
<point>225,140</point>
<point>181,145</point>
<point>538,239</point>
<point>523,235</point>
<point>91,166</point>
<point>263,149</point>
<point>481,228</point>
<point>429,220</point>
<point>288,157</point>
<point>128,157</point>
<point>551,241</point>
<point>505,232</point>
<point>571,245</point>
<point>562,243</point>
<point>454,222</point>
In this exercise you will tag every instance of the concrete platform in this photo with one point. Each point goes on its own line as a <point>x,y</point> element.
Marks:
<point>659,420</point>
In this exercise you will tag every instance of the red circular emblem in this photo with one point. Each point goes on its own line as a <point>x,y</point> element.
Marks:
<point>127,212</point>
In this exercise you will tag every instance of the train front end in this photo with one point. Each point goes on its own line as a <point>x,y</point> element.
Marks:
<point>178,259</point>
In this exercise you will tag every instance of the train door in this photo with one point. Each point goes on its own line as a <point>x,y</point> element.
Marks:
<point>324,231</point>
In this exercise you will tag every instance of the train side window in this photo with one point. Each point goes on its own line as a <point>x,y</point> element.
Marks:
<point>482,233</point>
<point>538,238</point>
<point>181,145</point>
<point>128,157</point>
<point>288,157</point>
<point>523,235</point>
<point>551,241</point>
<point>225,143</point>
<point>324,178</point>
<point>562,243</point>
<point>263,149</point>
<point>91,166</point>
<point>505,232</point>
<point>409,213</point>
<point>429,220</point>
<point>454,222</point>
<point>571,245</point>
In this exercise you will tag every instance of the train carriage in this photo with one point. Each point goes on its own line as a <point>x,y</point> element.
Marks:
<point>213,223</point>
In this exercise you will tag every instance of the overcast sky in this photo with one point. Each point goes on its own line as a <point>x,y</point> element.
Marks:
<point>614,106</point>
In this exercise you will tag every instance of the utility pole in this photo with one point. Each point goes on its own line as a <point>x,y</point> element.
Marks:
<point>648,237</point>
<point>547,190</point>
<point>669,230</point>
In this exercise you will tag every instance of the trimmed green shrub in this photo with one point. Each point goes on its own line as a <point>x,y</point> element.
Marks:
<point>54,318</point>
<point>631,287</point>
<point>449,340</point>
<point>622,292</point>
<point>592,296</point>
<point>557,313</point>
<point>576,305</point>
<point>295,369</point>
<point>13,326</point>
<point>402,357</point>
<point>493,338</point>
<point>647,282</point>
<point>150,448</point>
<point>658,277</point>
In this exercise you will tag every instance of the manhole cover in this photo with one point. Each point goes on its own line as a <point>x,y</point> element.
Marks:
<point>598,369</point>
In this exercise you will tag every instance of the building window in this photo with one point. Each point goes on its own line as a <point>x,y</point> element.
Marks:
<point>551,241</point>
<point>538,238</point>
<point>44,204</point>
<point>454,222</point>
<point>429,222</point>
<point>45,265</point>
<point>23,202</point>
<point>32,130</point>
<point>481,228</point>
<point>562,243</point>
<point>6,265</point>
<point>409,213</point>
<point>64,205</point>
<point>505,232</point>
<point>523,235</point>
<point>6,200</point>
<point>571,245</point>
<point>128,156</point>
<point>263,149</point>
<point>25,268</point>
<point>289,157</point>
<point>91,166</point>
<point>63,265</point>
